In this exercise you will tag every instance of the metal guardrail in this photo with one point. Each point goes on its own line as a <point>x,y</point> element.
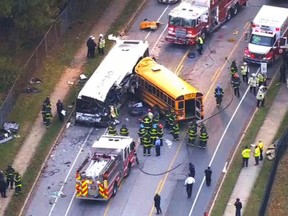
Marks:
<point>33,66</point>
<point>280,151</point>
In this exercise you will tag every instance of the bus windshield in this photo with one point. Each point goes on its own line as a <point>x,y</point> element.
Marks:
<point>178,21</point>
<point>262,40</point>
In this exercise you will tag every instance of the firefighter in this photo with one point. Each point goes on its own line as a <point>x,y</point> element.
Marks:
<point>147,122</point>
<point>141,132</point>
<point>124,131</point>
<point>233,66</point>
<point>261,96</point>
<point>9,173</point>
<point>199,42</point>
<point>153,133</point>
<point>236,84</point>
<point>232,72</point>
<point>48,117</point>
<point>112,130</point>
<point>167,118</point>
<point>47,101</point>
<point>283,73</point>
<point>150,114</point>
<point>155,119</point>
<point>245,72</point>
<point>253,83</point>
<point>114,113</point>
<point>175,131</point>
<point>192,135</point>
<point>43,112</point>
<point>101,44</point>
<point>18,183</point>
<point>203,137</point>
<point>172,119</point>
<point>218,93</point>
<point>146,145</point>
<point>160,133</point>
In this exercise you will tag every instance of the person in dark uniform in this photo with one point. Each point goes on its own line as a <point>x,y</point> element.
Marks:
<point>161,133</point>
<point>238,206</point>
<point>18,183</point>
<point>218,93</point>
<point>112,130</point>
<point>157,202</point>
<point>48,117</point>
<point>153,133</point>
<point>3,187</point>
<point>157,147</point>
<point>146,145</point>
<point>235,82</point>
<point>60,107</point>
<point>43,112</point>
<point>199,42</point>
<point>175,131</point>
<point>91,46</point>
<point>208,175</point>
<point>167,118</point>
<point>9,173</point>
<point>203,137</point>
<point>192,171</point>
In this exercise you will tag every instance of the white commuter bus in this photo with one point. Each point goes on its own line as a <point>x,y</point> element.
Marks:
<point>110,82</point>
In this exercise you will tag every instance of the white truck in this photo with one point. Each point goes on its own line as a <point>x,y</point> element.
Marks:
<point>100,174</point>
<point>268,35</point>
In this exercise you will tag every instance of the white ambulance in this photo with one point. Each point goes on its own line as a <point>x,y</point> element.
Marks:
<point>268,35</point>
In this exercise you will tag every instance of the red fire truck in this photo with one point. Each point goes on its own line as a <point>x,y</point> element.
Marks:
<point>193,17</point>
<point>110,160</point>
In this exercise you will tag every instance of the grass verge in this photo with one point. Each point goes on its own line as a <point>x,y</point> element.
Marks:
<point>28,106</point>
<point>236,165</point>
<point>278,197</point>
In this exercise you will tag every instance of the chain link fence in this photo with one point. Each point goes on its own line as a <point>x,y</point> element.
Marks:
<point>72,11</point>
<point>281,149</point>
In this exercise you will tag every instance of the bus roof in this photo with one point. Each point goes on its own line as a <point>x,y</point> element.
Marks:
<point>271,16</point>
<point>163,78</point>
<point>118,63</point>
<point>112,142</point>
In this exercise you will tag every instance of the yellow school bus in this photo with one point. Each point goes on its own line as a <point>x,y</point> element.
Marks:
<point>160,87</point>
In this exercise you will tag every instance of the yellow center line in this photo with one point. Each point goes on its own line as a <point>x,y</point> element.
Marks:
<point>180,65</point>
<point>157,191</point>
<point>216,78</point>
<point>107,208</point>
<point>217,71</point>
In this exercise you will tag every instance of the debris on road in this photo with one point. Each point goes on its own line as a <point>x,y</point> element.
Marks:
<point>31,90</point>
<point>35,80</point>
<point>11,126</point>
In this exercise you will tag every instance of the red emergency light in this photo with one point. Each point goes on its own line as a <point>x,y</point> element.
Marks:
<point>277,29</point>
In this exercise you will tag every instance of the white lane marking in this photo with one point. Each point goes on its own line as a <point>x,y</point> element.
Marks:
<point>70,204</point>
<point>72,166</point>
<point>158,20</point>
<point>225,167</point>
<point>218,145</point>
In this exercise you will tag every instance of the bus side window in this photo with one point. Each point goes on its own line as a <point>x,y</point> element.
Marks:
<point>161,96</point>
<point>169,101</point>
<point>157,92</point>
<point>154,90</point>
<point>165,98</point>
<point>173,104</point>
<point>180,104</point>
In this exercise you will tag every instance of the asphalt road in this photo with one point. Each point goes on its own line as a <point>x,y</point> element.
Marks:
<point>135,196</point>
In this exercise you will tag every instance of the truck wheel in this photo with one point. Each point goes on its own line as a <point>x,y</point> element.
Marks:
<point>235,9</point>
<point>229,15</point>
<point>128,170</point>
<point>115,189</point>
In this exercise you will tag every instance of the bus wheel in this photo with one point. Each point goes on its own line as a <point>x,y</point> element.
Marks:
<point>115,189</point>
<point>235,9</point>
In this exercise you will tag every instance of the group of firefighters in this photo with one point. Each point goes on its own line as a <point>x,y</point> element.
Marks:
<point>8,178</point>
<point>47,111</point>
<point>254,81</point>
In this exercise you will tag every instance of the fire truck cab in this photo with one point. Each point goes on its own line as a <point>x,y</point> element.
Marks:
<point>268,35</point>
<point>110,160</point>
<point>199,17</point>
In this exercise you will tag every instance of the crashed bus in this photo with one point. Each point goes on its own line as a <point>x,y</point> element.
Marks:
<point>110,82</point>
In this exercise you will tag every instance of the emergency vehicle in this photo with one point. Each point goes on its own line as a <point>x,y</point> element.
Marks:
<point>199,17</point>
<point>110,160</point>
<point>268,35</point>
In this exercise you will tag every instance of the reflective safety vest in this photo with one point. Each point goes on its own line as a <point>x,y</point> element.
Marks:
<point>153,133</point>
<point>260,95</point>
<point>18,180</point>
<point>260,78</point>
<point>142,132</point>
<point>200,40</point>
<point>160,132</point>
<point>253,81</point>
<point>101,43</point>
<point>244,69</point>
<point>175,129</point>
<point>246,153</point>
<point>257,152</point>
<point>261,145</point>
<point>146,122</point>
